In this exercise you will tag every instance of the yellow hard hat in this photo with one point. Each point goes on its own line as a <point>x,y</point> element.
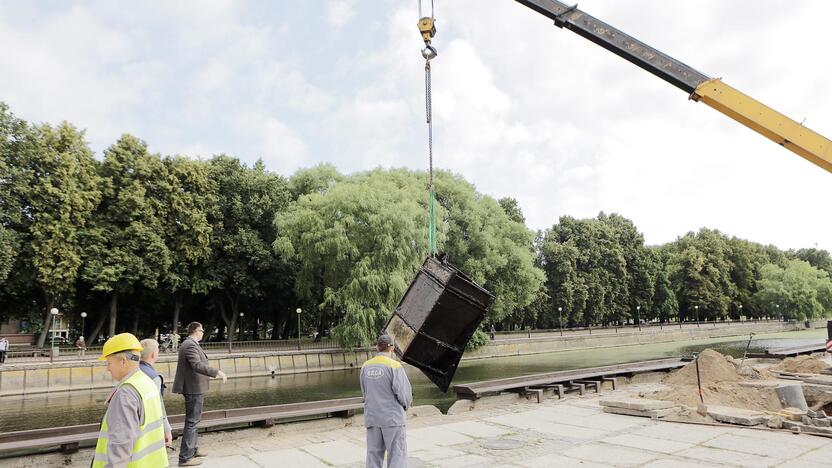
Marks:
<point>118,343</point>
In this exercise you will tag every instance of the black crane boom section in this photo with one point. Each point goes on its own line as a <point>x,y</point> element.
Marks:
<point>665,67</point>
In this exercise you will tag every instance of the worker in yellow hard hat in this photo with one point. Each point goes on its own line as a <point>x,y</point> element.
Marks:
<point>132,432</point>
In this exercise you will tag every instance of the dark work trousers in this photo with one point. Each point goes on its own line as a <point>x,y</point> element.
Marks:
<point>390,439</point>
<point>2,357</point>
<point>193,414</point>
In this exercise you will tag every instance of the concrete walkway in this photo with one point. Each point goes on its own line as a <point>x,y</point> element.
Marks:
<point>571,432</point>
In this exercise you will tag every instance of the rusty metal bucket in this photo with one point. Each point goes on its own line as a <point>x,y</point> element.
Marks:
<point>435,319</point>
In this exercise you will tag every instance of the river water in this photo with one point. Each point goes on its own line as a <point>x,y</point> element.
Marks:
<point>84,407</point>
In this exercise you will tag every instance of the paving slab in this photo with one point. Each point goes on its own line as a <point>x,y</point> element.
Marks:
<point>436,453</point>
<point>821,456</point>
<point>777,437</point>
<point>604,421</point>
<point>465,460</point>
<point>280,458</point>
<point>781,449</point>
<point>677,463</point>
<point>739,416</point>
<point>237,461</point>
<point>648,443</point>
<point>728,457</point>
<point>336,453</point>
<point>552,461</point>
<point>659,413</point>
<point>690,433</point>
<point>438,436</point>
<point>585,408</point>
<point>640,404</point>
<point>476,429</point>
<point>608,454</point>
<point>566,431</point>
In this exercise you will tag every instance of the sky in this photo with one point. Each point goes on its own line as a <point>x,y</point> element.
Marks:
<point>521,108</point>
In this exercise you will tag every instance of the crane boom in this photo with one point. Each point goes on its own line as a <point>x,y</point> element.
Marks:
<point>712,91</point>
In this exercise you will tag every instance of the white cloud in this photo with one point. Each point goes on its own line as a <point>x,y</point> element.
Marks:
<point>521,108</point>
<point>339,12</point>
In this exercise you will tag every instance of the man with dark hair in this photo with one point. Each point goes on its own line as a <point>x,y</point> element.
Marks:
<point>192,374</point>
<point>387,395</point>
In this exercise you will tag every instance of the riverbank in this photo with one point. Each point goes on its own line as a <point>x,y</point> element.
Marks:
<point>44,377</point>
<point>504,431</point>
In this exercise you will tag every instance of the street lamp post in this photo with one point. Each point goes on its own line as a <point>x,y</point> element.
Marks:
<point>83,317</point>
<point>298,310</point>
<point>560,320</point>
<point>239,336</point>
<point>778,311</point>
<point>638,308</point>
<point>740,314</point>
<point>697,315</point>
<point>54,312</point>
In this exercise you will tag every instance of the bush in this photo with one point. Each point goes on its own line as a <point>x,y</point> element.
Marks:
<point>478,340</point>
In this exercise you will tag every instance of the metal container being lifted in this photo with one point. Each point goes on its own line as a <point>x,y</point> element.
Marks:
<point>440,311</point>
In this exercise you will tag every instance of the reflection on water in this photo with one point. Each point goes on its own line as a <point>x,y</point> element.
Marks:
<point>84,407</point>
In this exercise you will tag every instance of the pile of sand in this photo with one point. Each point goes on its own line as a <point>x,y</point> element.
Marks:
<point>801,365</point>
<point>720,385</point>
<point>713,367</point>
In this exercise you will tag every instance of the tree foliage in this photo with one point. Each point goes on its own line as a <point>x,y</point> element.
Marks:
<point>142,242</point>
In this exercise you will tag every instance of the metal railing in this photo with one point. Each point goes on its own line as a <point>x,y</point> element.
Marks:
<point>651,327</point>
<point>70,353</point>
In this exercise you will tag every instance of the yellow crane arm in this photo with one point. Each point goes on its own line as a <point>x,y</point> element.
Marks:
<point>766,121</point>
<point>713,92</point>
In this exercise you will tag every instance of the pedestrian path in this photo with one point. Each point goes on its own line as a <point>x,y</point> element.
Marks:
<point>574,432</point>
<point>555,433</point>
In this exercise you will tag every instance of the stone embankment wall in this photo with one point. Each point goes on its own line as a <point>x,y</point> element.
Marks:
<point>552,341</point>
<point>21,379</point>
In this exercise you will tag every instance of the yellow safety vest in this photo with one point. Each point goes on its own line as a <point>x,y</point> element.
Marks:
<point>149,448</point>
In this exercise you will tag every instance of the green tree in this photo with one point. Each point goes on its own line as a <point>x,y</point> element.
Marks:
<point>125,245</point>
<point>818,258</point>
<point>16,146</point>
<point>700,272</point>
<point>482,240</point>
<point>512,209</point>
<point>243,266</point>
<point>63,194</point>
<point>797,292</point>
<point>359,244</point>
<point>187,231</point>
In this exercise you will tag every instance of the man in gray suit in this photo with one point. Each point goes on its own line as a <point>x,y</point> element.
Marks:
<point>192,374</point>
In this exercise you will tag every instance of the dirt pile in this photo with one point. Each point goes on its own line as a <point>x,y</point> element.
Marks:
<point>720,385</point>
<point>801,365</point>
<point>713,367</point>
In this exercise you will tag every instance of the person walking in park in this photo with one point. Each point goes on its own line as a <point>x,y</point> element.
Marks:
<point>387,395</point>
<point>174,341</point>
<point>81,345</point>
<point>132,432</point>
<point>4,348</point>
<point>192,374</point>
<point>149,355</point>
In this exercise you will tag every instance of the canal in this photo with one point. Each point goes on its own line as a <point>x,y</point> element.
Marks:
<point>84,407</point>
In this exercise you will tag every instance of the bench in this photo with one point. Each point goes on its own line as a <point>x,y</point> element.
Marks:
<point>475,390</point>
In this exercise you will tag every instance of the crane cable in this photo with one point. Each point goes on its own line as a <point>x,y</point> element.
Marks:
<point>427,29</point>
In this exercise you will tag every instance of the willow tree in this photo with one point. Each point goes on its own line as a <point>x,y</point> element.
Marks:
<point>359,243</point>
